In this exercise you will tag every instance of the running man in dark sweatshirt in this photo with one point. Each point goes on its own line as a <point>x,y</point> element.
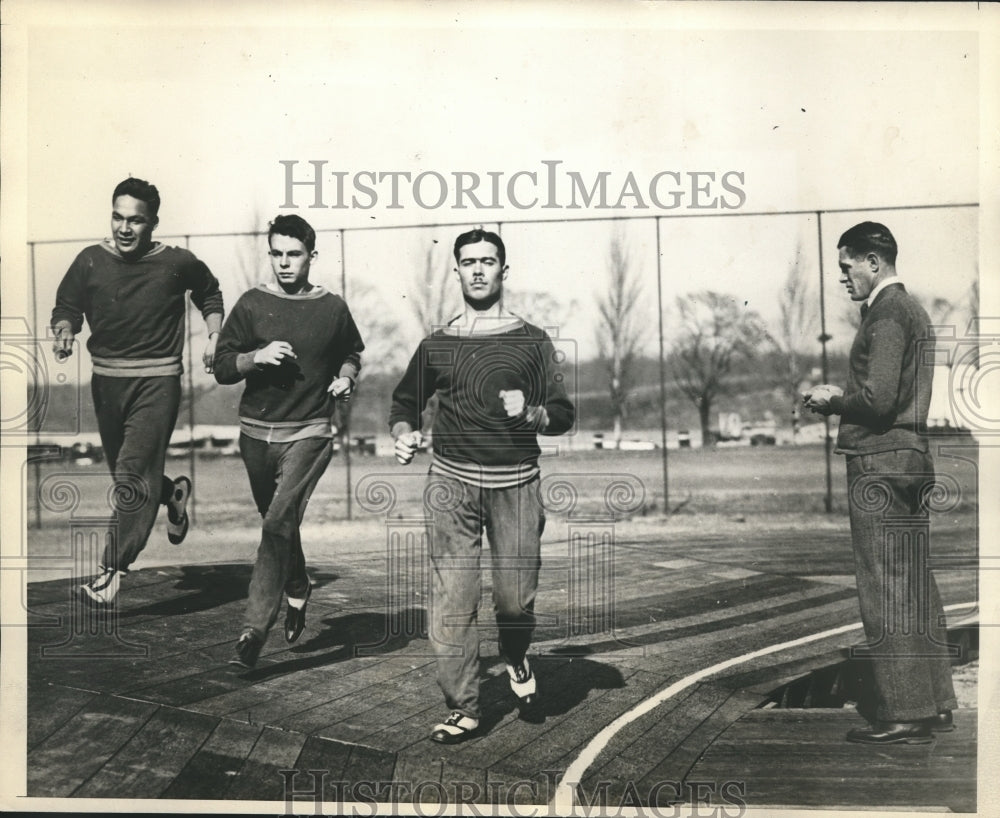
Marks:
<point>298,349</point>
<point>131,290</point>
<point>498,387</point>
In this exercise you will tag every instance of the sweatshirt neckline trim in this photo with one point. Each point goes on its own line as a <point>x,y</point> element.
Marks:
<point>318,291</point>
<point>484,328</point>
<point>155,249</point>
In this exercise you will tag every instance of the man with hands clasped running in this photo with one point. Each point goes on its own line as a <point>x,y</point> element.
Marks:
<point>298,349</point>
<point>498,387</point>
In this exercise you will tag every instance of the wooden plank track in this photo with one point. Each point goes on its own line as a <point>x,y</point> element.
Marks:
<point>799,758</point>
<point>151,708</point>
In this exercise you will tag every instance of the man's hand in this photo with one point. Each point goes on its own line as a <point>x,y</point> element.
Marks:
<point>273,354</point>
<point>513,402</point>
<point>406,446</point>
<point>208,357</point>
<point>817,399</point>
<point>342,388</point>
<point>62,344</point>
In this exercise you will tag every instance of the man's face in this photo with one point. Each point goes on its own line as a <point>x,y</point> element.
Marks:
<point>132,226</point>
<point>290,261</point>
<point>480,273</point>
<point>858,273</point>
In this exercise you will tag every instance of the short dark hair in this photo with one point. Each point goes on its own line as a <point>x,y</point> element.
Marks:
<point>870,237</point>
<point>294,226</point>
<point>477,235</point>
<point>139,189</point>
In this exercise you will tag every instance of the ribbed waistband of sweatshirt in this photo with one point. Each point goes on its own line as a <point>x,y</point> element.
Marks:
<point>285,431</point>
<point>137,367</point>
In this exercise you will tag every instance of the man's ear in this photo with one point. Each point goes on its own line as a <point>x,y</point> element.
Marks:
<point>503,273</point>
<point>873,262</point>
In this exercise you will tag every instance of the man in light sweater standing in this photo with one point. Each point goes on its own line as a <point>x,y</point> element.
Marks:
<point>883,419</point>
<point>498,387</point>
<point>131,291</point>
<point>297,347</point>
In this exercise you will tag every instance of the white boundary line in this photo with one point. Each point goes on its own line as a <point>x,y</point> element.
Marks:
<point>565,797</point>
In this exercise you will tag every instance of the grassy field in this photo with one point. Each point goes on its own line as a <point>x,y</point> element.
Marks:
<point>750,481</point>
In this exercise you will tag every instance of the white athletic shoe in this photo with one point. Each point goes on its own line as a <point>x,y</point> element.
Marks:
<point>103,588</point>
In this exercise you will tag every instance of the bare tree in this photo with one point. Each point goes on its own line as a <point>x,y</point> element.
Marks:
<point>435,299</point>
<point>973,306</point>
<point>799,316</point>
<point>540,308</point>
<point>383,354</point>
<point>434,296</point>
<point>620,330</point>
<point>251,248</point>
<point>715,334</point>
<point>380,331</point>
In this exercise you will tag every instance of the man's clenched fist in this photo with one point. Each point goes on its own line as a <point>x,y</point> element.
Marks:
<point>342,388</point>
<point>513,402</point>
<point>407,445</point>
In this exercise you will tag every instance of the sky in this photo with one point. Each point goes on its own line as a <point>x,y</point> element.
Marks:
<point>804,108</point>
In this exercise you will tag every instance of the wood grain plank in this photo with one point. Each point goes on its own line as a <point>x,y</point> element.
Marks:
<point>367,764</point>
<point>210,771</point>
<point>324,759</point>
<point>50,706</point>
<point>414,766</point>
<point>260,779</point>
<point>146,765</point>
<point>59,764</point>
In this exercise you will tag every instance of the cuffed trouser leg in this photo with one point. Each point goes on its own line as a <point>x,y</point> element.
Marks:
<point>282,478</point>
<point>514,522</point>
<point>135,417</point>
<point>455,536</point>
<point>900,604</point>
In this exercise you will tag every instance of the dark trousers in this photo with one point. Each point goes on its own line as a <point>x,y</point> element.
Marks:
<point>513,520</point>
<point>900,604</point>
<point>282,478</point>
<point>135,417</point>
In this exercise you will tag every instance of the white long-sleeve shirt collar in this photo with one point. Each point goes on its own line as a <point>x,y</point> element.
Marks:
<point>885,282</point>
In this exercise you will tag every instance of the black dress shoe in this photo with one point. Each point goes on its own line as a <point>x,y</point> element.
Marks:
<point>942,722</point>
<point>892,732</point>
<point>295,619</point>
<point>247,649</point>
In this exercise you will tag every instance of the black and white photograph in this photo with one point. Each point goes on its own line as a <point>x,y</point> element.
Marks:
<point>438,408</point>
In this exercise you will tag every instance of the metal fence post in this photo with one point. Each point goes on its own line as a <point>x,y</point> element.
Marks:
<point>190,383</point>
<point>346,415</point>
<point>823,338</point>
<point>663,375</point>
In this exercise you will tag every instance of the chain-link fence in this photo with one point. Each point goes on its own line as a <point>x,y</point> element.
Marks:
<point>631,301</point>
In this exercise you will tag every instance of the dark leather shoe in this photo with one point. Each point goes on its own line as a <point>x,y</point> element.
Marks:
<point>295,619</point>
<point>892,732</point>
<point>942,722</point>
<point>247,649</point>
